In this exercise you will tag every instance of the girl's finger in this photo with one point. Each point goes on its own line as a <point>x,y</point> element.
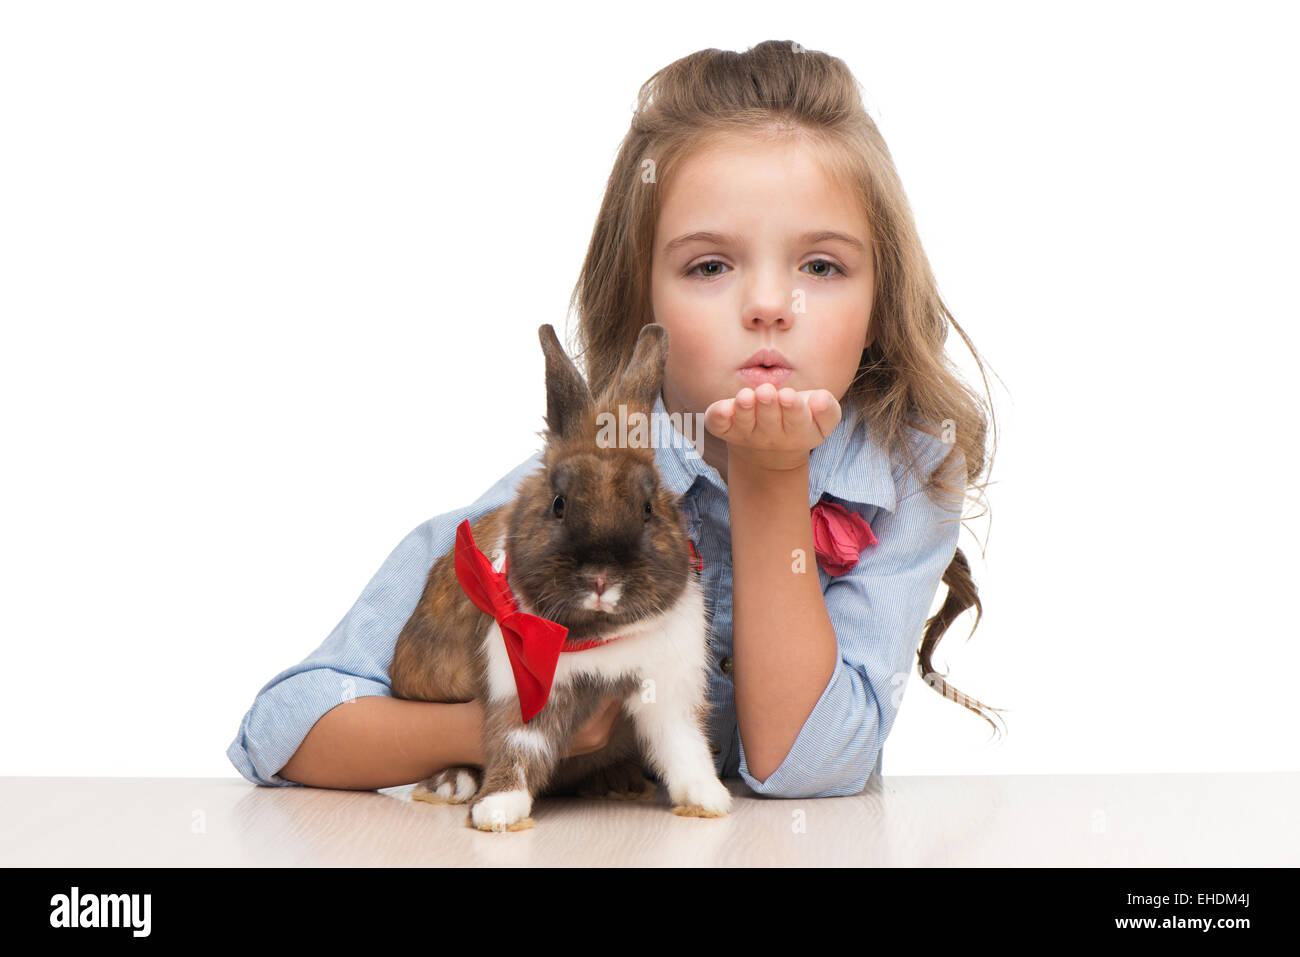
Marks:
<point>768,418</point>
<point>746,413</point>
<point>828,415</point>
<point>719,418</point>
<point>798,418</point>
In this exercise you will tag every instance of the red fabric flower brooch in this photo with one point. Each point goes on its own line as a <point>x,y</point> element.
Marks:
<point>839,537</point>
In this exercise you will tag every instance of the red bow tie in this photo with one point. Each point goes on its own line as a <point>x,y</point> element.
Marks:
<point>533,643</point>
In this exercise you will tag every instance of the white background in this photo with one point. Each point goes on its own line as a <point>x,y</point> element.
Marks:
<point>271,275</point>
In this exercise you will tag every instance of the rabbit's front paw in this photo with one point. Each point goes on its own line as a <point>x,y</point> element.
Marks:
<point>705,796</point>
<point>448,786</point>
<point>502,811</point>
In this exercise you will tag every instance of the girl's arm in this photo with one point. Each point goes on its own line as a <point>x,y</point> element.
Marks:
<point>784,644</point>
<point>382,742</point>
<point>878,611</point>
<point>819,675</point>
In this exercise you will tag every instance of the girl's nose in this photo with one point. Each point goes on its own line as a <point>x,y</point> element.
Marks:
<point>771,302</point>
<point>768,317</point>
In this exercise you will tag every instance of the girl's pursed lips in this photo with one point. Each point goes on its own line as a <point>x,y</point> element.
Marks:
<point>772,358</point>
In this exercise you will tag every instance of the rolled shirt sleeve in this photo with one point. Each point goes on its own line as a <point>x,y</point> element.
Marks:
<point>353,661</point>
<point>878,610</point>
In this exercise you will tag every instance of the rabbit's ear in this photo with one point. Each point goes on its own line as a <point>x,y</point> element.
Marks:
<point>568,400</point>
<point>641,381</point>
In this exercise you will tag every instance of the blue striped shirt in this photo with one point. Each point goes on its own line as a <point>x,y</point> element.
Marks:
<point>878,610</point>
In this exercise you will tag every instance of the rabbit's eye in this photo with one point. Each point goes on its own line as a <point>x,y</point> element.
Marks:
<point>648,511</point>
<point>557,506</point>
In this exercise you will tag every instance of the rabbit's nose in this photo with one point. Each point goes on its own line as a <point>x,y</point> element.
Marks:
<point>598,584</point>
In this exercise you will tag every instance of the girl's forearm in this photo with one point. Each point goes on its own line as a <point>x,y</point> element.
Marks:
<point>380,742</point>
<point>784,644</point>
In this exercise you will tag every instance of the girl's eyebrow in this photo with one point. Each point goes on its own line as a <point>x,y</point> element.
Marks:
<point>722,239</point>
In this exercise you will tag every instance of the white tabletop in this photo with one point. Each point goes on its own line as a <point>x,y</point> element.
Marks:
<point>1159,820</point>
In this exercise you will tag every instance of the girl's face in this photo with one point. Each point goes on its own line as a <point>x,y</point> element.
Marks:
<point>744,260</point>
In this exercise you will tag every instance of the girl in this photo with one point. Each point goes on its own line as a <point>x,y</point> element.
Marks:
<point>754,211</point>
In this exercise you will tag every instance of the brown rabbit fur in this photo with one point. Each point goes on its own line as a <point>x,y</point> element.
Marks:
<point>589,510</point>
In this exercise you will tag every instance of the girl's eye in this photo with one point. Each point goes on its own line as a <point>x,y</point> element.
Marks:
<point>711,275</point>
<point>824,262</point>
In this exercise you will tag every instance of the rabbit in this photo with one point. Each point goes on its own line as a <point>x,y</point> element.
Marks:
<point>590,511</point>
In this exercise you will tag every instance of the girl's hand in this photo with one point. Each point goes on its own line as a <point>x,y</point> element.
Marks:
<point>594,734</point>
<point>775,430</point>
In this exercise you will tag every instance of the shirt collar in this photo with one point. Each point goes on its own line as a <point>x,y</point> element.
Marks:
<point>848,465</point>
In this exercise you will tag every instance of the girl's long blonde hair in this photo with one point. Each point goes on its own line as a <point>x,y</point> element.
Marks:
<point>904,379</point>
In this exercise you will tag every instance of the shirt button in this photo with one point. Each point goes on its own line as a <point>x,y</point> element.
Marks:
<point>726,665</point>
